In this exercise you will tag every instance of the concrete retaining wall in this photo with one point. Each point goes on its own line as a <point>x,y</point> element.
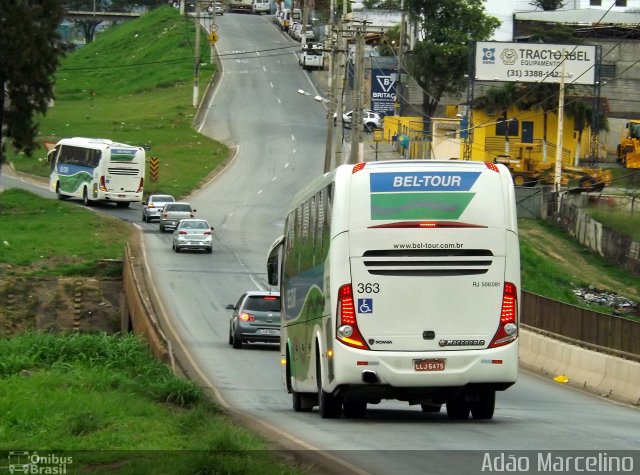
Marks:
<point>606,375</point>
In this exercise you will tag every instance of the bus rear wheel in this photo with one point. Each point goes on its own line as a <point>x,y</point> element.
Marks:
<point>354,409</point>
<point>85,198</point>
<point>329,406</point>
<point>458,408</point>
<point>484,407</point>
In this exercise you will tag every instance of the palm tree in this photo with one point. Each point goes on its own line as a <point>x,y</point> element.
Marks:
<point>545,97</point>
<point>581,113</point>
<point>500,99</point>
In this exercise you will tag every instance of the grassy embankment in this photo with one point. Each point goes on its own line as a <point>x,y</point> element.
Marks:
<point>98,392</point>
<point>134,85</point>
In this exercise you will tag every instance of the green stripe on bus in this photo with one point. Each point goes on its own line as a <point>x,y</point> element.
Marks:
<point>72,183</point>
<point>419,205</point>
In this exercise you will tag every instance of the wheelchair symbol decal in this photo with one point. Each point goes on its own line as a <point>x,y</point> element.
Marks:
<point>365,305</point>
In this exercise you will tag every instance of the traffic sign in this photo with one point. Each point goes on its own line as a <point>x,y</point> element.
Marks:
<point>213,37</point>
<point>213,28</point>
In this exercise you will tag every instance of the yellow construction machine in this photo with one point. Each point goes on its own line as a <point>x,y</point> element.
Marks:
<point>629,146</point>
<point>528,172</point>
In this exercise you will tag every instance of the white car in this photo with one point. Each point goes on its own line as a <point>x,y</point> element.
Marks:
<point>370,120</point>
<point>192,234</point>
<point>217,8</point>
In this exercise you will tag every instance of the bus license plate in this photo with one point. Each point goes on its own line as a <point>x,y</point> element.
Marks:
<point>429,365</point>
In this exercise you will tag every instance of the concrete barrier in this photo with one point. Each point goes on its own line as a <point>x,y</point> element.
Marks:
<point>603,374</point>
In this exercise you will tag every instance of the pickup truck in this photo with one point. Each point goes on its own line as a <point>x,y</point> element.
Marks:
<point>312,56</point>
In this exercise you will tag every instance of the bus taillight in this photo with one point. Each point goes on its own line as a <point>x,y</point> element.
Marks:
<point>103,184</point>
<point>141,186</point>
<point>508,327</point>
<point>347,326</point>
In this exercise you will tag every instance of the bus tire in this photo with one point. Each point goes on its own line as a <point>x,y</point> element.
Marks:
<point>355,409</point>
<point>484,407</point>
<point>329,406</point>
<point>458,409</point>
<point>85,197</point>
<point>302,402</point>
<point>58,194</point>
<point>431,408</point>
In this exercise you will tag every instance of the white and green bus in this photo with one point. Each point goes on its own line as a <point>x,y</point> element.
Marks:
<point>97,170</point>
<point>400,280</point>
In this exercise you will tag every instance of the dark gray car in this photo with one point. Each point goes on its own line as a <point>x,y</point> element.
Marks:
<point>172,213</point>
<point>255,318</point>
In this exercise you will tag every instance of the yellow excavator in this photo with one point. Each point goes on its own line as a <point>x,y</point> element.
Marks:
<point>629,146</point>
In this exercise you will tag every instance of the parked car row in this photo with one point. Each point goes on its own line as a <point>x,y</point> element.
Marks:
<point>189,233</point>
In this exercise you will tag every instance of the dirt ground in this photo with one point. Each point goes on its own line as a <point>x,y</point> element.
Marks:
<point>59,304</point>
<point>567,257</point>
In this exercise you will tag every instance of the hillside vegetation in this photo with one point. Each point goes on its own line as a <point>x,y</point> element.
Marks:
<point>134,85</point>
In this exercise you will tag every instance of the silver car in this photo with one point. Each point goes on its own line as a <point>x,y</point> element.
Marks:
<point>152,207</point>
<point>172,213</point>
<point>192,234</point>
<point>255,318</point>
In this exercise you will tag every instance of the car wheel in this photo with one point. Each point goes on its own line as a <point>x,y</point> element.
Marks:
<point>176,248</point>
<point>144,218</point>
<point>161,228</point>
<point>369,128</point>
<point>237,342</point>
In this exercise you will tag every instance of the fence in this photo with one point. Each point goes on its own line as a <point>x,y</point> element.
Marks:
<point>596,329</point>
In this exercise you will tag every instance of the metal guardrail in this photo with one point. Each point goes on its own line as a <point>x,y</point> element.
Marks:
<point>617,336</point>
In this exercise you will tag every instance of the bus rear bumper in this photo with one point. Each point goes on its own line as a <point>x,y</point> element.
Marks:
<point>403,375</point>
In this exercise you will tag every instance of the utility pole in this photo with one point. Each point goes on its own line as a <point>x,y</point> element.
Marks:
<point>328,154</point>
<point>400,88</point>
<point>196,67</point>
<point>558,170</point>
<point>358,84</point>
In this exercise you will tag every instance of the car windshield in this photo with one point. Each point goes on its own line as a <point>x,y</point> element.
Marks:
<point>178,207</point>
<point>163,199</point>
<point>263,303</point>
<point>195,225</point>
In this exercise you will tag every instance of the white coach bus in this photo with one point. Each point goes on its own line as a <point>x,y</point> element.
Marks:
<point>400,280</point>
<point>97,170</point>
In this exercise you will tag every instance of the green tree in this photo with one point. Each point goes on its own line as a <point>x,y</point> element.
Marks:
<point>440,60</point>
<point>30,49</point>
<point>548,5</point>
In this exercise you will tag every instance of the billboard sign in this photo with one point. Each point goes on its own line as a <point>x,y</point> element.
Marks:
<point>383,91</point>
<point>535,62</point>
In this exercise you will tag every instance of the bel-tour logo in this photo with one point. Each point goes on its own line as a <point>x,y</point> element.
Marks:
<point>488,55</point>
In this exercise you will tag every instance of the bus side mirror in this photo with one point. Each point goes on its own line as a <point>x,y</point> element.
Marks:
<point>274,261</point>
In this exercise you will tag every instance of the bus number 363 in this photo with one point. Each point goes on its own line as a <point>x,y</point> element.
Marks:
<point>368,288</point>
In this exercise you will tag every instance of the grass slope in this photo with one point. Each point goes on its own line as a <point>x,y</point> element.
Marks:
<point>134,85</point>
